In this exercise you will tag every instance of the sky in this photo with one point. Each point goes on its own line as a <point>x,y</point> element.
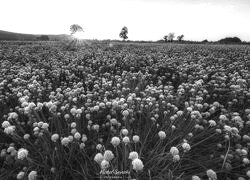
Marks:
<point>145,19</point>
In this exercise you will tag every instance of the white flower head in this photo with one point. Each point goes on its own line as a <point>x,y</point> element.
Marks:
<point>211,174</point>
<point>186,146</point>
<point>248,174</point>
<point>136,138</point>
<point>9,130</point>
<point>137,164</point>
<point>54,137</point>
<point>77,135</point>
<point>124,132</point>
<point>174,151</point>
<point>108,155</point>
<point>126,140</point>
<point>65,141</point>
<point>45,126</point>
<point>5,124</point>
<point>212,123</point>
<point>20,175</point>
<point>196,178</point>
<point>115,141</point>
<point>227,128</point>
<point>32,175</point>
<point>104,164</point>
<point>176,158</point>
<point>162,135</point>
<point>98,158</point>
<point>73,111</point>
<point>84,138</point>
<point>133,155</point>
<point>22,153</point>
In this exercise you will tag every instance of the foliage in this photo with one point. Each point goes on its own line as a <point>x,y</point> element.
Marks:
<point>171,37</point>
<point>75,28</point>
<point>228,40</point>
<point>124,32</point>
<point>165,38</point>
<point>179,38</point>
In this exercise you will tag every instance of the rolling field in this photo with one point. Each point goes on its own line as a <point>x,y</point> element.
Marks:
<point>124,111</point>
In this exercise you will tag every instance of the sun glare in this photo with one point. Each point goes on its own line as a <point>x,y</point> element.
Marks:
<point>79,35</point>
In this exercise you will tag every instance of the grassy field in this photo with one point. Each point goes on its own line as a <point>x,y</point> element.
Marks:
<point>124,111</point>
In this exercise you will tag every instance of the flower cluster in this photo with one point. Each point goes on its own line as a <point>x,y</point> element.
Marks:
<point>156,110</point>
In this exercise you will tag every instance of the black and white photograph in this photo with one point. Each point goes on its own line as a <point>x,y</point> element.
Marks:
<point>125,90</point>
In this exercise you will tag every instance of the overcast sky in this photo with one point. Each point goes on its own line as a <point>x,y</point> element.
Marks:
<point>145,19</point>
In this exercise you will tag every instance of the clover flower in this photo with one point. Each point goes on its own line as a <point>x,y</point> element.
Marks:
<point>10,149</point>
<point>133,155</point>
<point>136,138</point>
<point>13,115</point>
<point>113,121</point>
<point>26,136</point>
<point>96,108</point>
<point>39,105</point>
<point>32,175</point>
<point>223,117</point>
<point>9,130</point>
<point>70,138</point>
<point>162,135</point>
<point>125,113</point>
<point>22,153</point>
<point>174,151</point>
<point>73,125</point>
<point>137,164</point>
<point>126,140</point>
<point>54,137</point>
<point>99,147</point>
<point>108,155</point>
<point>45,126</point>
<point>104,164</point>
<point>96,127</point>
<point>212,123</point>
<point>82,146</point>
<point>5,124</point>
<point>244,152</point>
<point>124,132</point>
<point>195,178</point>
<point>73,111</point>
<point>98,158</point>
<point>211,174</point>
<point>84,138</point>
<point>77,136</point>
<point>186,146</point>
<point>115,141</point>
<point>246,161</point>
<point>176,158</point>
<point>65,141</point>
<point>20,175</point>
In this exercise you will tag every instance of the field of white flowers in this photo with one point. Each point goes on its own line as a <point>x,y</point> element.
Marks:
<point>124,111</point>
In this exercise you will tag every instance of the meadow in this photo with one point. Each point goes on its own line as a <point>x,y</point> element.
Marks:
<point>124,111</point>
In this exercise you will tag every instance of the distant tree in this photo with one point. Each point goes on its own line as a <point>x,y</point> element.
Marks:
<point>43,38</point>
<point>179,38</point>
<point>75,28</point>
<point>165,38</point>
<point>171,37</point>
<point>228,40</point>
<point>73,43</point>
<point>124,32</point>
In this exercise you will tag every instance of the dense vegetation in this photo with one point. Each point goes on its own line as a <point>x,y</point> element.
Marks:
<point>158,111</point>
